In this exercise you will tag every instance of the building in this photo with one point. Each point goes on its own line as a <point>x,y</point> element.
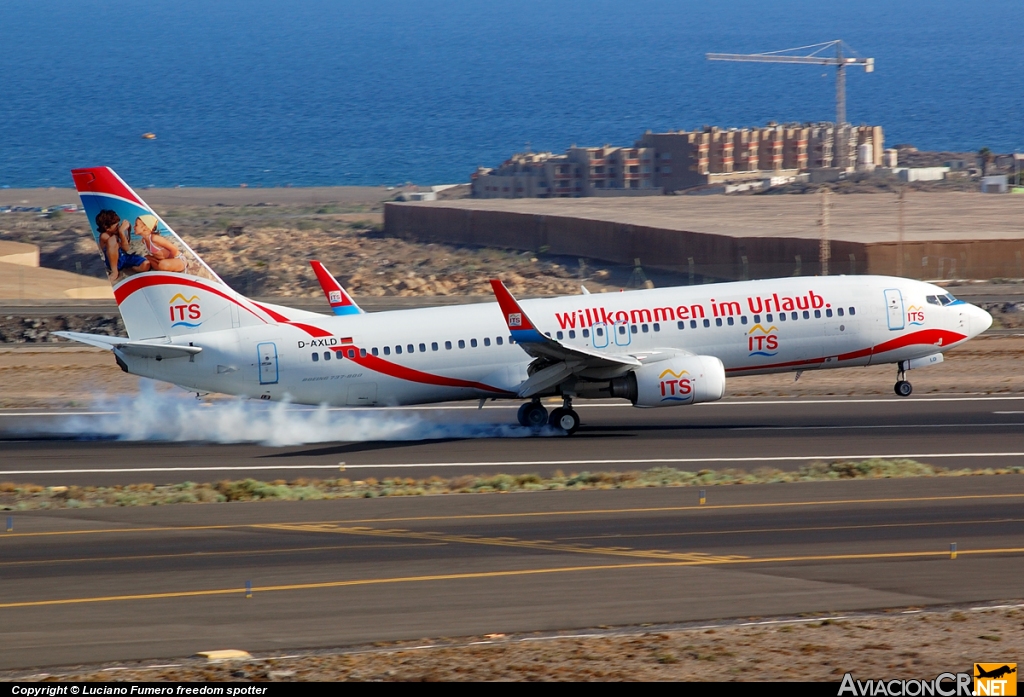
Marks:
<point>678,160</point>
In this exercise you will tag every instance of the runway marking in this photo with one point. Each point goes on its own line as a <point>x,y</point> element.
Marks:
<point>499,574</point>
<point>681,460</point>
<point>229,553</point>
<point>753,531</point>
<point>526,514</point>
<point>874,427</point>
<point>535,463</point>
<point>544,545</point>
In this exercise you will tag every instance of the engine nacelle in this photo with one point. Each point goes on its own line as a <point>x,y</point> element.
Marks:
<point>677,381</point>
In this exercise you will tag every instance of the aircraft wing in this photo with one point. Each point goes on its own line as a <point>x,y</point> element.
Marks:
<point>143,349</point>
<point>563,360</point>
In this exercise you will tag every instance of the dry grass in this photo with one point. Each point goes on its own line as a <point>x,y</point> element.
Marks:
<point>33,497</point>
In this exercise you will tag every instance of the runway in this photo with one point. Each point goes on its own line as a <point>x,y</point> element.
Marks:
<point>97,585</point>
<point>954,432</point>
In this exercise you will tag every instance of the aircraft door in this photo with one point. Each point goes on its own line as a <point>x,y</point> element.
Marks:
<point>894,309</point>
<point>267,354</point>
<point>600,334</point>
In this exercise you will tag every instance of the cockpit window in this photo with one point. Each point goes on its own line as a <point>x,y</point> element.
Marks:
<point>932,300</point>
<point>947,299</point>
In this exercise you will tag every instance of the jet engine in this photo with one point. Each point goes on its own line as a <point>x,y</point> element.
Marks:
<point>673,382</point>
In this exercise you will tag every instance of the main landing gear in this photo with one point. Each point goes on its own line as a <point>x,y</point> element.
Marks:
<point>902,387</point>
<point>534,415</point>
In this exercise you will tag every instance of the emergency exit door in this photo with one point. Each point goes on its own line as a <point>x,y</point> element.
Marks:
<point>267,353</point>
<point>894,309</point>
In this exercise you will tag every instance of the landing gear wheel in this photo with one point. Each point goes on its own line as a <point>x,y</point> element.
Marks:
<point>533,415</point>
<point>903,388</point>
<point>565,419</point>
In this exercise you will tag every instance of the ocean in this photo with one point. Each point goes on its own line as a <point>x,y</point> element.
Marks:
<point>334,92</point>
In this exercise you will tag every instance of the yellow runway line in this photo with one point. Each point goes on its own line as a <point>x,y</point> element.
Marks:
<point>498,574</point>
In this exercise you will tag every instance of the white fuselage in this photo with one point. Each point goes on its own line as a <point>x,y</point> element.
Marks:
<point>464,352</point>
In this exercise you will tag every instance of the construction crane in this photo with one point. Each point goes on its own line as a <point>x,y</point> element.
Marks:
<point>816,54</point>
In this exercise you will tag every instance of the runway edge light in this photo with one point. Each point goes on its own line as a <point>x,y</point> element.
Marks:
<point>703,496</point>
<point>10,523</point>
<point>952,550</point>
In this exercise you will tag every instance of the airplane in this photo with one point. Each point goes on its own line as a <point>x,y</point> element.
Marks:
<point>656,348</point>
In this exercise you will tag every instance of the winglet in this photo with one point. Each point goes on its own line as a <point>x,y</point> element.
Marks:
<point>519,325</point>
<point>341,302</point>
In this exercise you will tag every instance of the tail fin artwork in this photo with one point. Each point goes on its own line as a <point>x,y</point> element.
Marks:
<point>162,287</point>
<point>341,302</point>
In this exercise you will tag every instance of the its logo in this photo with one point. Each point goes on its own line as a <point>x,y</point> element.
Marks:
<point>995,679</point>
<point>515,319</point>
<point>915,315</point>
<point>185,311</point>
<point>334,296</point>
<point>676,388</point>
<point>763,342</point>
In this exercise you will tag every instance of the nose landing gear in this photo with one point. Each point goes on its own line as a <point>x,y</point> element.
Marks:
<point>902,387</point>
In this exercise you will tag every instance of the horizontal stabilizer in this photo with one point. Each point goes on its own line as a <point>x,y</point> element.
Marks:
<point>142,349</point>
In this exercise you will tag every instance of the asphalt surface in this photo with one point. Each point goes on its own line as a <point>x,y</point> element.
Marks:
<point>458,439</point>
<point>98,585</point>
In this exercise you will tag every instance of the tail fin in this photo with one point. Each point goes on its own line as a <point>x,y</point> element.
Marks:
<point>162,287</point>
<point>341,302</point>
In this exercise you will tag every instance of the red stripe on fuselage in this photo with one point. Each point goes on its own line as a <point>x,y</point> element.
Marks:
<point>935,337</point>
<point>379,365</point>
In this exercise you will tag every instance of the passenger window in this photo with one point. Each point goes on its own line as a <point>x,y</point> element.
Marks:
<point>828,313</point>
<point>387,350</point>
<point>327,355</point>
<point>622,329</point>
<point>743,319</point>
<point>498,340</point>
<point>472,342</point>
<point>338,354</point>
<point>586,333</point>
<point>398,349</point>
<point>362,353</point>
<point>558,335</point>
<point>351,353</point>
<point>600,332</point>
<point>839,311</point>
<point>657,327</point>
<point>757,319</point>
<point>768,317</point>
<point>707,323</point>
<point>681,324</point>
<point>433,345</point>
<point>782,317</point>
<point>794,316</point>
<point>462,343</point>
<point>730,321</point>
<point>448,345</point>
<point>817,314</point>
<point>853,311</point>
<point>693,323</point>
<point>572,334</point>
<point>487,341</point>
<point>807,315</point>
<point>644,328</point>
<point>374,351</point>
<point>633,329</point>
<point>511,340</point>
<point>316,357</point>
<point>718,321</point>
<point>410,348</point>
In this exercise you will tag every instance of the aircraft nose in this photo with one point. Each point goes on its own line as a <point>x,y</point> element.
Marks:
<point>980,320</point>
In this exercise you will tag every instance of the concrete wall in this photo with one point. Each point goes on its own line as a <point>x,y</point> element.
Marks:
<point>715,256</point>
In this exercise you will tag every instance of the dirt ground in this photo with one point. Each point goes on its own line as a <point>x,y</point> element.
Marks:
<point>34,375</point>
<point>886,646</point>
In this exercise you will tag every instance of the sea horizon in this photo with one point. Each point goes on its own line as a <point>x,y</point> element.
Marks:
<point>340,93</point>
